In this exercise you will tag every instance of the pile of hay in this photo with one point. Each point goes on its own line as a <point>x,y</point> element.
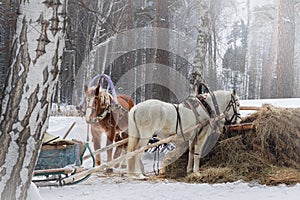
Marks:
<point>270,154</point>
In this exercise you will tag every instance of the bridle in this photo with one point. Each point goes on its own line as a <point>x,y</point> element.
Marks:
<point>236,115</point>
<point>92,106</point>
<point>99,102</point>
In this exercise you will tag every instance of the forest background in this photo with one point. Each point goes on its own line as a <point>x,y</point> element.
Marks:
<point>247,45</point>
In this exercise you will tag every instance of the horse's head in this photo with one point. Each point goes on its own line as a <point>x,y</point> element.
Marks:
<point>104,98</point>
<point>105,101</point>
<point>232,110</point>
<point>98,102</point>
<point>91,104</point>
<point>227,103</point>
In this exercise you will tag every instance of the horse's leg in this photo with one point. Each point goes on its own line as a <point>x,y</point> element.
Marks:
<point>138,165</point>
<point>133,140</point>
<point>123,148</point>
<point>118,149</point>
<point>189,167</point>
<point>172,156</point>
<point>132,143</point>
<point>199,146</point>
<point>96,134</point>
<point>109,140</point>
<point>134,164</point>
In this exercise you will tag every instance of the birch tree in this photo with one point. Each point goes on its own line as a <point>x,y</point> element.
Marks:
<point>202,44</point>
<point>29,88</point>
<point>161,56</point>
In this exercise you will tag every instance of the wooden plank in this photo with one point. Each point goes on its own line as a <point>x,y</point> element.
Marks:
<point>59,156</point>
<point>53,171</point>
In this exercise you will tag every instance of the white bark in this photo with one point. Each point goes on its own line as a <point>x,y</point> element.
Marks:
<point>28,94</point>
<point>202,43</point>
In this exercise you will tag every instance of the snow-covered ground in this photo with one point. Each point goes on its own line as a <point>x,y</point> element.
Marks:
<point>116,186</point>
<point>122,188</point>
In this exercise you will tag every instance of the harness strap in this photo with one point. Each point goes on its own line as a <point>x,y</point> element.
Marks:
<point>189,104</point>
<point>213,97</point>
<point>178,122</point>
<point>206,108</point>
<point>211,113</point>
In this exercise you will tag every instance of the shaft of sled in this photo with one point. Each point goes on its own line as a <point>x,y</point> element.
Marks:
<point>69,130</point>
<point>119,143</point>
<point>85,173</point>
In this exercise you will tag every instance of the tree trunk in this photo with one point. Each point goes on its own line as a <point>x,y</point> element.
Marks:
<point>286,42</point>
<point>202,44</point>
<point>162,56</point>
<point>29,87</point>
<point>267,74</point>
<point>8,18</point>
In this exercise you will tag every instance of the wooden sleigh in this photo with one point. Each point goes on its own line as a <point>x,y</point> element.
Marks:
<point>58,159</point>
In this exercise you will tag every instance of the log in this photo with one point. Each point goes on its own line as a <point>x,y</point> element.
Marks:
<point>106,148</point>
<point>240,127</point>
<point>85,173</point>
<point>250,108</point>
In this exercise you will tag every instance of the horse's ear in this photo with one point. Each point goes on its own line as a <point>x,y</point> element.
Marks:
<point>85,88</point>
<point>234,92</point>
<point>97,90</point>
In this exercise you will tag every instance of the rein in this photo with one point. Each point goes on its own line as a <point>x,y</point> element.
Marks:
<point>178,122</point>
<point>213,97</point>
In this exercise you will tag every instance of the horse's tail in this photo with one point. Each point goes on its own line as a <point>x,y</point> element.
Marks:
<point>133,132</point>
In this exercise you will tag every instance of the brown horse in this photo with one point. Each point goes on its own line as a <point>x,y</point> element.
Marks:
<point>105,117</point>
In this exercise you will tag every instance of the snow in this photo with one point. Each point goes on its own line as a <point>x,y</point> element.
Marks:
<point>33,193</point>
<point>122,188</point>
<point>119,186</point>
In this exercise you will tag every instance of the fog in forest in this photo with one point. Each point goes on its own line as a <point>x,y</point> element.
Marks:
<point>151,49</point>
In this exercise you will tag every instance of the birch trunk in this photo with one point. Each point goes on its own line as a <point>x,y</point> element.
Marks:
<point>29,88</point>
<point>201,46</point>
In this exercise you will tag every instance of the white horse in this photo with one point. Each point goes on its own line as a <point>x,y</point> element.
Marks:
<point>164,119</point>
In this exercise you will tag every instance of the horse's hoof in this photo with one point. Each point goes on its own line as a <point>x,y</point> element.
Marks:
<point>123,166</point>
<point>109,170</point>
<point>138,177</point>
<point>116,166</point>
<point>98,163</point>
